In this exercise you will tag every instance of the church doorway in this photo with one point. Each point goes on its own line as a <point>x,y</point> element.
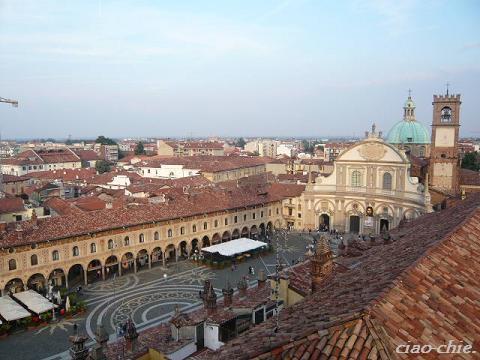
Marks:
<point>383,225</point>
<point>324,222</point>
<point>354,224</point>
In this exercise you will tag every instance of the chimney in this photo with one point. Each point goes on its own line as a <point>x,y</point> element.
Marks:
<point>262,279</point>
<point>227,295</point>
<point>130,336</point>
<point>78,351</point>
<point>101,338</point>
<point>19,231</point>
<point>211,300</point>
<point>321,263</point>
<point>203,294</point>
<point>34,219</point>
<point>242,287</point>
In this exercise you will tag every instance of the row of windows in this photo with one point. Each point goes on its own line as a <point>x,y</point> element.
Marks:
<point>386,183</point>
<point>12,264</point>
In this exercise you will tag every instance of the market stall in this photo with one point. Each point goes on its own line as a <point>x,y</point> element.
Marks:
<point>34,301</point>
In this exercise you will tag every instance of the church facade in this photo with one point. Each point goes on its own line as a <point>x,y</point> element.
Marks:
<point>369,191</point>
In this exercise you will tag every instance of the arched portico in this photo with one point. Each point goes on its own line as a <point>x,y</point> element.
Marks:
<point>245,232</point>
<point>235,234</point>
<point>157,256</point>
<point>254,232</point>
<point>112,266</point>
<point>205,241</point>
<point>263,231</point>
<point>57,278</point>
<point>76,275</point>
<point>194,246</point>
<point>95,271</point>
<point>269,228</point>
<point>216,239</point>
<point>38,283</point>
<point>143,260</point>
<point>182,249</point>
<point>128,263</point>
<point>226,236</point>
<point>14,286</point>
<point>171,253</point>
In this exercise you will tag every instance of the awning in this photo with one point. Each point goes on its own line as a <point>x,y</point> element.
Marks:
<point>233,247</point>
<point>34,301</point>
<point>10,310</point>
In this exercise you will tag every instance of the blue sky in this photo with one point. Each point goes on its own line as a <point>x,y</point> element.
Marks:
<point>217,68</point>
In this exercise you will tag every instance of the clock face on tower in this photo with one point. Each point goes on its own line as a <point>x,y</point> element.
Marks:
<point>446,115</point>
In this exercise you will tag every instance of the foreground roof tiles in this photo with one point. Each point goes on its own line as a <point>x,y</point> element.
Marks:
<point>423,287</point>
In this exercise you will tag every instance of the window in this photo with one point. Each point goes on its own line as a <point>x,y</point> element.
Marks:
<point>75,251</point>
<point>93,248</point>
<point>170,233</point>
<point>156,235</point>
<point>182,230</point>
<point>269,212</point>
<point>226,221</point>
<point>55,255</point>
<point>215,223</point>
<point>253,216</point>
<point>34,260</point>
<point>278,211</point>
<point>205,226</point>
<point>235,219</point>
<point>356,178</point>
<point>245,217</point>
<point>446,115</point>
<point>110,244</point>
<point>387,181</point>
<point>261,214</point>
<point>126,241</point>
<point>141,238</point>
<point>12,264</point>
<point>290,211</point>
<point>194,228</point>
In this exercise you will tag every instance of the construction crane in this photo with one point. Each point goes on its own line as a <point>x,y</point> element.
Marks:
<point>8,101</point>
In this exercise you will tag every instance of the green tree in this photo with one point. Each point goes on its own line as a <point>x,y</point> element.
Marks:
<point>471,161</point>
<point>240,142</point>
<point>102,166</point>
<point>139,149</point>
<point>105,141</point>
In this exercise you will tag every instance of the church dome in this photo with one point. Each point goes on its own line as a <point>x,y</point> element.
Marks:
<point>405,132</point>
<point>408,130</point>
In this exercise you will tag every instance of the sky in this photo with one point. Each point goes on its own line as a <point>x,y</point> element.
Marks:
<point>193,68</point>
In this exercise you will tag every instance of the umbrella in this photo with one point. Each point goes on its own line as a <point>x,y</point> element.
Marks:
<point>67,304</point>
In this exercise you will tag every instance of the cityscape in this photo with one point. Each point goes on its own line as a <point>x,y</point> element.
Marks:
<point>173,185</point>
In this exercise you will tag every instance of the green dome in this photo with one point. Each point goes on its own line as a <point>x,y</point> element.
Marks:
<point>405,132</point>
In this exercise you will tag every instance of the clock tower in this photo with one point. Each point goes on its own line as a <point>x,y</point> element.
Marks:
<point>444,159</point>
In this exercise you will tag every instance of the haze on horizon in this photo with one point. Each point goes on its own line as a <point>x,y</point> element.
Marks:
<point>236,68</point>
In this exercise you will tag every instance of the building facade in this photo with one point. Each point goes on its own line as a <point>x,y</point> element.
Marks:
<point>369,191</point>
<point>98,254</point>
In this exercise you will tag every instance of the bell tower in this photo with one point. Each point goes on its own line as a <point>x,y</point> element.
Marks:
<point>444,159</point>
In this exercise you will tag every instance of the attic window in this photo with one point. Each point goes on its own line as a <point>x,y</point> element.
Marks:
<point>409,139</point>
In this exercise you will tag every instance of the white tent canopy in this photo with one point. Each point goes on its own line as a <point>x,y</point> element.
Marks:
<point>34,301</point>
<point>10,310</point>
<point>234,247</point>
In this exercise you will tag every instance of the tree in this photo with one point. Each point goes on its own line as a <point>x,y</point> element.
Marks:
<point>105,141</point>
<point>102,166</point>
<point>139,149</point>
<point>240,142</point>
<point>471,161</point>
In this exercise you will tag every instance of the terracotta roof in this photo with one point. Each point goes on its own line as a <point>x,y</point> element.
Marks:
<point>60,206</point>
<point>87,155</point>
<point>423,287</point>
<point>64,174</point>
<point>207,163</point>
<point>158,338</point>
<point>197,203</point>
<point>89,203</point>
<point>9,205</point>
<point>13,178</point>
<point>469,177</point>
